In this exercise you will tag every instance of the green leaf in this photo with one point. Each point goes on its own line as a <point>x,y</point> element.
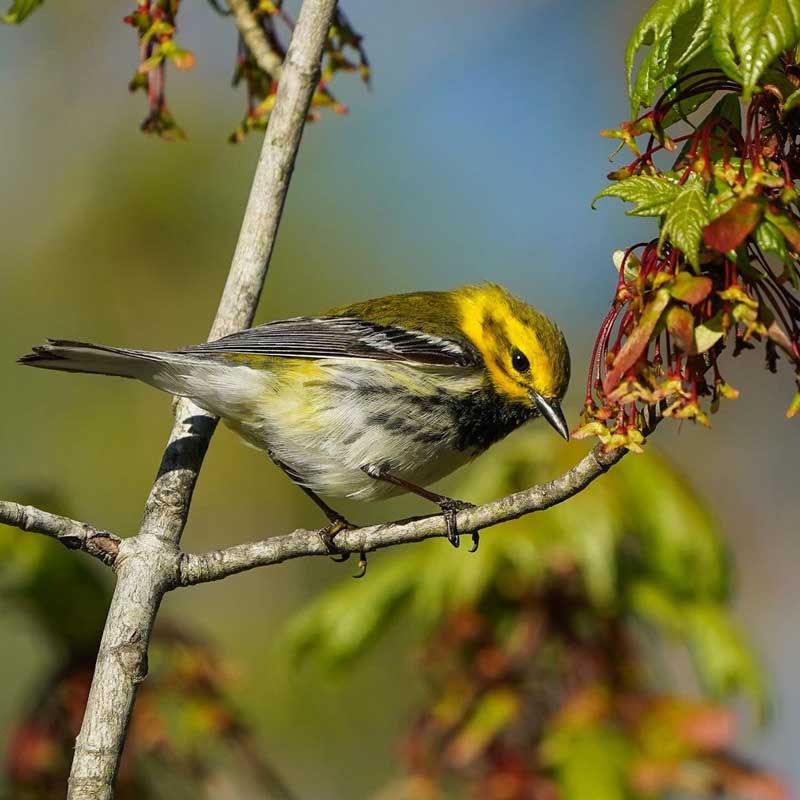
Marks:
<point>690,53</point>
<point>681,549</point>
<point>149,64</point>
<point>725,662</point>
<point>792,101</point>
<point>748,35</point>
<point>730,108</point>
<point>685,220</point>
<point>182,59</point>
<point>700,34</point>
<point>656,606</point>
<point>345,621</point>
<point>656,28</point>
<point>649,75</point>
<point>679,33</point>
<point>158,28</point>
<point>495,712</point>
<point>787,227</point>
<point>19,10</point>
<point>771,240</point>
<point>653,195</point>
<point>596,766</point>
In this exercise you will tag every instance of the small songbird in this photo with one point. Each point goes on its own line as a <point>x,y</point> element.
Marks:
<point>368,400</point>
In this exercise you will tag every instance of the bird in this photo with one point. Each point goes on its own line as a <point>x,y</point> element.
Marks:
<point>368,400</point>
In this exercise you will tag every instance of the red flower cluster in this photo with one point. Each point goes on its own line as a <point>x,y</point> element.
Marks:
<point>725,266</point>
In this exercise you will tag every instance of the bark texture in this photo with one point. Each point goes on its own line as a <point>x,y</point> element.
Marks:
<point>71,533</point>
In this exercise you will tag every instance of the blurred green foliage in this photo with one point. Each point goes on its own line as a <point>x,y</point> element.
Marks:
<point>546,655</point>
<point>639,529</point>
<point>186,735</point>
<point>19,10</point>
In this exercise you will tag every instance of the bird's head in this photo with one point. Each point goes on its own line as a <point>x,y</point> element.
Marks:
<point>525,353</point>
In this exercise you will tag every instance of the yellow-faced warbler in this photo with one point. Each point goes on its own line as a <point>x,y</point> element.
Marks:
<point>368,400</point>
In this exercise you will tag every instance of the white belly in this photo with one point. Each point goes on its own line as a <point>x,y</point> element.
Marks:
<point>332,418</point>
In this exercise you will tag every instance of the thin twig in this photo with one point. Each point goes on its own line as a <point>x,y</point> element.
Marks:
<point>255,39</point>
<point>71,533</point>
<point>218,564</point>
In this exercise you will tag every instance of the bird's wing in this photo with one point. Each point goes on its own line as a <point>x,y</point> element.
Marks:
<point>340,337</point>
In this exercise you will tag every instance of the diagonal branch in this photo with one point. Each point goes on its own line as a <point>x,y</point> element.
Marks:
<point>147,565</point>
<point>72,534</point>
<point>219,564</point>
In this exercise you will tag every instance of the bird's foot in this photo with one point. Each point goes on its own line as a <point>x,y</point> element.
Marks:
<point>450,508</point>
<point>329,532</point>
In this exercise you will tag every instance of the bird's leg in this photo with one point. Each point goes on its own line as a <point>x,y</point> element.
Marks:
<point>449,505</point>
<point>336,522</point>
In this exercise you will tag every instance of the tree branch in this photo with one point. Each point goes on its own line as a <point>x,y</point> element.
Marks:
<point>71,533</point>
<point>147,564</point>
<point>253,36</point>
<point>218,564</point>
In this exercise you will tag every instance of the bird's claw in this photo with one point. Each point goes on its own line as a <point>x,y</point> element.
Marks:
<point>327,535</point>
<point>450,509</point>
<point>362,565</point>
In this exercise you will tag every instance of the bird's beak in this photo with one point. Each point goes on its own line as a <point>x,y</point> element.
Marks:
<point>551,411</point>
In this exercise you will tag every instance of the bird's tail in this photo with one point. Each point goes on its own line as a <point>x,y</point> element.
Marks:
<point>67,356</point>
<point>221,388</point>
<point>171,372</point>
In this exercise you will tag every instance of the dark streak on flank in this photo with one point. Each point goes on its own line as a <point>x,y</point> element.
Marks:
<point>437,399</point>
<point>423,437</point>
<point>392,423</point>
<point>352,438</point>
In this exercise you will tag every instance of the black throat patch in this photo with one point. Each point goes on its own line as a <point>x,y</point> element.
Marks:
<point>483,418</point>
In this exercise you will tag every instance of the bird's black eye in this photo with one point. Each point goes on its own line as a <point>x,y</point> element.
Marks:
<point>520,361</point>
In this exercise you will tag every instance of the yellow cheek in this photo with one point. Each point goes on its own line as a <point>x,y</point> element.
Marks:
<point>541,364</point>
<point>473,311</point>
<point>502,382</point>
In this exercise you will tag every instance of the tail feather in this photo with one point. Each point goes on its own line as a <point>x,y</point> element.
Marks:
<point>69,356</point>
<point>221,387</point>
